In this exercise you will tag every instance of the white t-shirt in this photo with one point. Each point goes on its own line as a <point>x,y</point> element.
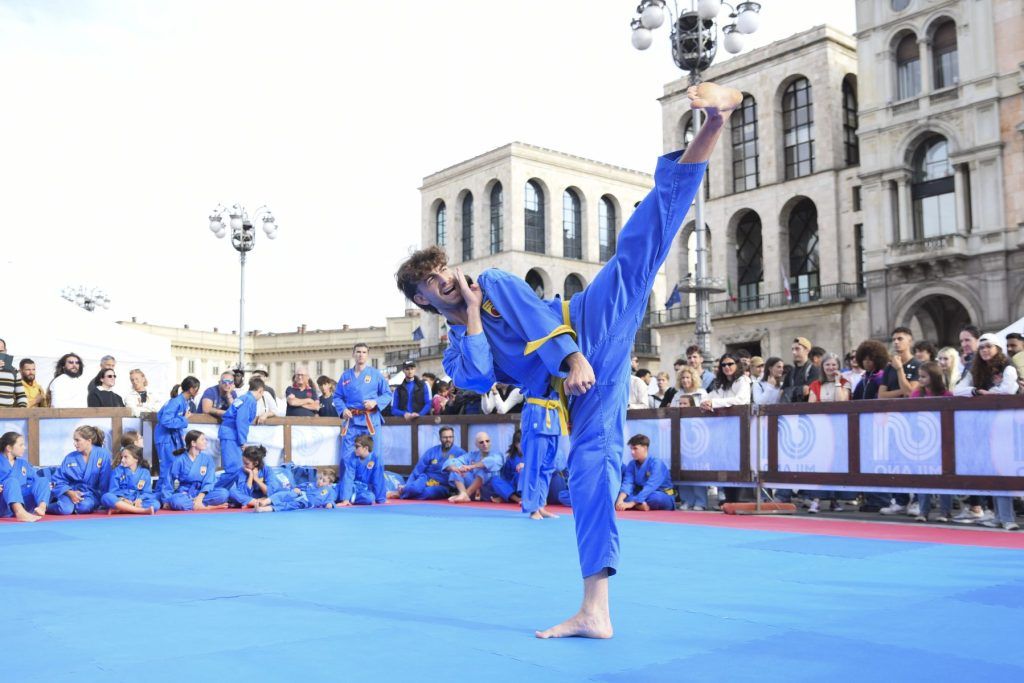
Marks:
<point>69,392</point>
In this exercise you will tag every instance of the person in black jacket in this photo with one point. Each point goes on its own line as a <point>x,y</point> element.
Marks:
<point>101,391</point>
<point>412,397</point>
<point>797,384</point>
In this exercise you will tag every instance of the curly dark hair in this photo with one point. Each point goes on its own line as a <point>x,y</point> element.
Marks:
<point>415,270</point>
<point>59,369</point>
<point>876,351</point>
<point>983,372</point>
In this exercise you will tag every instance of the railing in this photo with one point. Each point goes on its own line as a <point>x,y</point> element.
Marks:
<point>843,291</point>
<point>962,445</point>
<point>398,357</point>
<point>646,349</point>
<point>929,245</point>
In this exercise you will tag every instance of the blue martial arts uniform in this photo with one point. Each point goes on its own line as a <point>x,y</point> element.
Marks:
<point>130,486</point>
<point>506,482</point>
<point>308,496</point>
<point>650,483</point>
<point>492,466</point>
<point>352,390</point>
<point>525,341</point>
<point>429,478</point>
<point>91,479</point>
<point>241,493</point>
<point>232,433</point>
<point>362,481</point>
<point>191,477</point>
<point>169,434</point>
<point>19,483</point>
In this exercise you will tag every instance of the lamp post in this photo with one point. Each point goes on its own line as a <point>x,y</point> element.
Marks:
<point>88,299</point>
<point>243,239</point>
<point>694,46</point>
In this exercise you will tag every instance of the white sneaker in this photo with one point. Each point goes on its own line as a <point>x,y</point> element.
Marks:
<point>1010,526</point>
<point>893,509</point>
<point>698,508</point>
<point>812,508</point>
<point>684,506</point>
<point>914,509</point>
<point>968,516</point>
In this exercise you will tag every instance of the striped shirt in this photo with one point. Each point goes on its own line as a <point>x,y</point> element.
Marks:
<point>12,393</point>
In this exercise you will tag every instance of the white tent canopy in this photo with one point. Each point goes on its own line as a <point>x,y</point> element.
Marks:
<point>45,327</point>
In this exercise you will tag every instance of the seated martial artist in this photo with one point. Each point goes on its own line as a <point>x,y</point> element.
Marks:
<point>470,472</point>
<point>83,476</point>
<point>131,485</point>
<point>429,478</point>
<point>190,485</point>
<point>499,331</point>
<point>504,488</point>
<point>646,481</point>
<point>23,494</point>
<point>322,494</point>
<point>252,483</point>
<point>234,431</point>
<point>362,478</point>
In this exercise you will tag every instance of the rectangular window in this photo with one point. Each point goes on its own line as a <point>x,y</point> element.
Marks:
<point>319,368</point>
<point>191,367</point>
<point>291,368</point>
<point>856,198</point>
<point>908,79</point>
<point>216,370</point>
<point>348,364</point>
<point>373,361</point>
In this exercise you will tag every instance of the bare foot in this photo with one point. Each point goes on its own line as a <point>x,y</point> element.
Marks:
<point>40,510</point>
<point>536,515</point>
<point>549,515</point>
<point>496,499</point>
<point>264,508</point>
<point>580,625</point>
<point>23,515</point>
<point>459,498</point>
<point>643,507</point>
<point>714,98</point>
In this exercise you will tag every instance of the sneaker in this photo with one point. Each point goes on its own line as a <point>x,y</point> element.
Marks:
<point>990,524</point>
<point>968,516</point>
<point>698,508</point>
<point>1010,526</point>
<point>812,507</point>
<point>893,509</point>
<point>836,506</point>
<point>942,518</point>
<point>684,506</point>
<point>920,518</point>
<point>914,509</point>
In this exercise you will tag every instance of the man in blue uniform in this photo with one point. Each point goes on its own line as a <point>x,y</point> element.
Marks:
<point>500,331</point>
<point>646,481</point>
<point>361,394</point>
<point>429,478</point>
<point>234,431</point>
<point>471,472</point>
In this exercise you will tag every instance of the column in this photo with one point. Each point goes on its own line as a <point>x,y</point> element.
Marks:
<point>906,217</point>
<point>963,220</point>
<point>890,226</point>
<point>924,49</point>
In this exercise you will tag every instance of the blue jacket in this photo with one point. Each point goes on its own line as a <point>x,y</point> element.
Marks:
<point>239,417</point>
<point>171,422</point>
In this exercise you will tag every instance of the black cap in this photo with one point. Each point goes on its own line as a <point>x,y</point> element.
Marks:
<point>408,364</point>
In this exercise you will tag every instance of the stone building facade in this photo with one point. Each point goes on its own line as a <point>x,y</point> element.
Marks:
<point>942,145</point>
<point>783,205</point>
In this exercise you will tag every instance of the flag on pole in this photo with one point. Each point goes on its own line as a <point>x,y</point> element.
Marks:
<point>785,283</point>
<point>728,289</point>
<point>674,298</point>
<point>417,334</point>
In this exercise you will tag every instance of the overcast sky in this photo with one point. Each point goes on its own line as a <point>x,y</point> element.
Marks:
<point>124,123</point>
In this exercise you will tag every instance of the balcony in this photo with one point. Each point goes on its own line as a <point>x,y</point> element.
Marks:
<point>928,248</point>
<point>843,291</point>
<point>396,358</point>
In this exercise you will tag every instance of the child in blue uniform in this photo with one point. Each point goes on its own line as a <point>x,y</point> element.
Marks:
<point>499,331</point>
<point>171,424</point>
<point>362,481</point>
<point>471,472</point>
<point>429,478</point>
<point>23,494</point>
<point>234,431</point>
<point>131,485</point>
<point>190,485</point>
<point>322,494</point>
<point>83,476</point>
<point>646,481</point>
<point>253,482</point>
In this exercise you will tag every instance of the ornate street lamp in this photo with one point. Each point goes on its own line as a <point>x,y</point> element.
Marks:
<point>88,299</point>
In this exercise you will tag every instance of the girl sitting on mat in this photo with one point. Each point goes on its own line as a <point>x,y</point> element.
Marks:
<point>190,484</point>
<point>83,476</point>
<point>23,494</point>
<point>131,485</point>
<point>252,484</point>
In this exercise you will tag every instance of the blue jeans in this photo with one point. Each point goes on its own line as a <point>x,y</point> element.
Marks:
<point>694,496</point>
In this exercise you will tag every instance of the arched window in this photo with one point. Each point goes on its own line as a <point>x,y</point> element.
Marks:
<point>798,127</point>
<point>441,225</point>
<point>573,285</point>
<point>803,251</point>
<point>536,282</point>
<point>932,190</point>
<point>572,225</point>
<point>908,68</point>
<point>744,146</point>
<point>497,220</point>
<point>534,206</point>
<point>851,143</point>
<point>944,56</point>
<point>467,227</point>
<point>749,261</point>
<point>606,228</point>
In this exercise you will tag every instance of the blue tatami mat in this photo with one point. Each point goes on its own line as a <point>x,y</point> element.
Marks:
<point>438,593</point>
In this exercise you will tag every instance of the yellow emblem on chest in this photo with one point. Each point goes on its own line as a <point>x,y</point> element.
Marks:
<point>141,485</point>
<point>202,471</point>
<point>488,307</point>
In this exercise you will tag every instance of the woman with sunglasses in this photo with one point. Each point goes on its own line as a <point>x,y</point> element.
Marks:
<point>730,388</point>
<point>101,391</point>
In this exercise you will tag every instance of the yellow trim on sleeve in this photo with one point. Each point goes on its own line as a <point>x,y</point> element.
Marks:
<point>564,328</point>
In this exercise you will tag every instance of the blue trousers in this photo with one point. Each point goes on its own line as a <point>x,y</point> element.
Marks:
<point>348,442</point>
<point>606,316</point>
<point>539,453</point>
<point>283,501</point>
<point>420,489</point>
<point>165,454</point>
<point>564,499</point>
<point>694,495</point>
<point>109,500</point>
<point>182,501</point>
<point>657,501</point>
<point>497,487</point>
<point>558,484</point>
<point>231,461</point>
<point>28,495</point>
<point>362,495</point>
<point>62,505</point>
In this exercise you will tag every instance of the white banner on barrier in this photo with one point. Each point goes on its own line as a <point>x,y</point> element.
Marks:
<point>990,443</point>
<point>395,444</point>
<point>659,431</point>
<point>710,444</point>
<point>313,445</point>
<point>813,443</point>
<point>55,436</point>
<point>901,443</point>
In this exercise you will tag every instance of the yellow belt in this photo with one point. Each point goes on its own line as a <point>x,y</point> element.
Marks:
<point>561,404</point>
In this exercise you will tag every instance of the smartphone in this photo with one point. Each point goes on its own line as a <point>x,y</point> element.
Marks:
<point>6,361</point>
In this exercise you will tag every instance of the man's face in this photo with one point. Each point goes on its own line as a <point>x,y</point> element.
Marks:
<point>968,344</point>
<point>138,381</point>
<point>73,366</point>
<point>227,383</point>
<point>639,452</point>
<point>634,363</point>
<point>360,354</point>
<point>646,379</point>
<point>108,364</point>
<point>901,342</point>
<point>238,379</point>
<point>695,360</point>
<point>799,353</point>
<point>3,347</point>
<point>28,372</point>
<point>301,378</point>
<point>440,289</point>
<point>447,440</point>
<point>1014,346</point>
<point>409,373</point>
<point>483,443</point>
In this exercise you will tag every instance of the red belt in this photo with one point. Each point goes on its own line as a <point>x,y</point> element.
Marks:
<point>360,411</point>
